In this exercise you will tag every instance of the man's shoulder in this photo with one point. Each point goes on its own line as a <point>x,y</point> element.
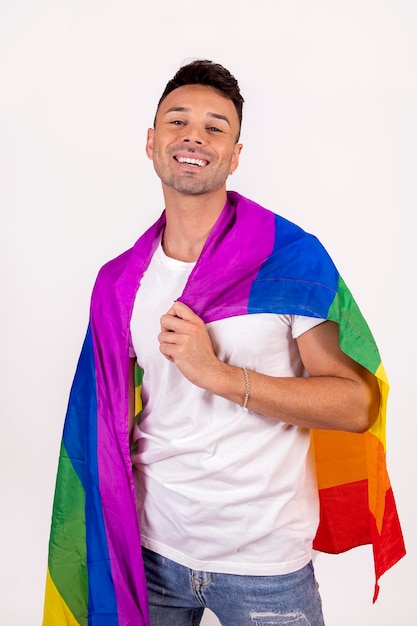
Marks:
<point>112,272</point>
<point>261,219</point>
<point>132,261</point>
<point>253,209</point>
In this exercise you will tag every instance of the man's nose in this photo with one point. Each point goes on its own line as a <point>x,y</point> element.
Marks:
<point>192,134</point>
<point>189,139</point>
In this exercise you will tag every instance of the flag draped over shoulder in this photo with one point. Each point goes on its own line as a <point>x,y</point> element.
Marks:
<point>253,262</point>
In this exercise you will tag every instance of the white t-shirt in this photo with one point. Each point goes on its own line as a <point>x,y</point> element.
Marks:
<point>220,488</point>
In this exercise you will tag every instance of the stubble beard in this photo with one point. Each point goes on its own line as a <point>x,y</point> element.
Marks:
<point>187,182</point>
<point>191,186</point>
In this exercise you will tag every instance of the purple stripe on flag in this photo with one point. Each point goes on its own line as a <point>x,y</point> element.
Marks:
<point>111,326</point>
<point>239,257</point>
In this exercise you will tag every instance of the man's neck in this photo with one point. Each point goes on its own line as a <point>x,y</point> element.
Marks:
<point>189,221</point>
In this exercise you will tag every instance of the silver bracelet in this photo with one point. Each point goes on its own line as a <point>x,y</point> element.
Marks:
<point>245,402</point>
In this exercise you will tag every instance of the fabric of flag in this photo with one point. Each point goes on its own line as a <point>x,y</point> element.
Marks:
<point>254,261</point>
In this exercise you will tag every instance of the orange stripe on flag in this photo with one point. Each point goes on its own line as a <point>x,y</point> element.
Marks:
<point>340,457</point>
<point>378,479</point>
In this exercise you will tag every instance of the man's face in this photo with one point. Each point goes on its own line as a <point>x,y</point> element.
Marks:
<point>193,145</point>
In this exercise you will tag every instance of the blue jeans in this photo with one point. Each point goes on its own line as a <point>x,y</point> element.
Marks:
<point>178,596</point>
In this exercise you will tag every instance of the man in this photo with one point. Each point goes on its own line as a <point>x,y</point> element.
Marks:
<point>243,341</point>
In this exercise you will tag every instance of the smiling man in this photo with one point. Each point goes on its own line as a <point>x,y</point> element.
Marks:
<point>193,145</point>
<point>226,373</point>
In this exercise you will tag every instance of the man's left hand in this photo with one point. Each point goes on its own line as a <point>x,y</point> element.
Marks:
<point>184,339</point>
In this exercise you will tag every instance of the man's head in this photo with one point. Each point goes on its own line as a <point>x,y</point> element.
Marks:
<point>194,143</point>
<point>209,74</point>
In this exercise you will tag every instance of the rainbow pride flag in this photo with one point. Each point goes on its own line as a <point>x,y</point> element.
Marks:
<point>253,262</point>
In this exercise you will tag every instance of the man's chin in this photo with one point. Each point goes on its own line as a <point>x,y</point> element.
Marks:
<point>196,188</point>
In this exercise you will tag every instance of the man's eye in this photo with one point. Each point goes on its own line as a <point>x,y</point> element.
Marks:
<point>214,129</point>
<point>177,122</point>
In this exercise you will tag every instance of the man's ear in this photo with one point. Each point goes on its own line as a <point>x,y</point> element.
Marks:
<point>149,143</point>
<point>235,158</point>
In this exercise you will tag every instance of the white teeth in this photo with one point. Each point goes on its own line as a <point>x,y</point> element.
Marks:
<point>190,161</point>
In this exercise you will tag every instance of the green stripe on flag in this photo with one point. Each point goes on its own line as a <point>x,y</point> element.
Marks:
<point>356,339</point>
<point>138,375</point>
<point>67,546</point>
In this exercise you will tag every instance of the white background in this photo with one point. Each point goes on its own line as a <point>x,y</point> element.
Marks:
<point>330,134</point>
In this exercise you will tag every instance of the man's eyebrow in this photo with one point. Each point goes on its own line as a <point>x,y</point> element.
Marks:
<point>217,116</point>
<point>177,110</point>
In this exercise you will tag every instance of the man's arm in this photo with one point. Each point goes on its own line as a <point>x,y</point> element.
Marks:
<point>339,394</point>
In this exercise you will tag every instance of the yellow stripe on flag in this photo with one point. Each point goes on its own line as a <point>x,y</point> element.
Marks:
<point>138,400</point>
<point>378,429</point>
<point>56,611</point>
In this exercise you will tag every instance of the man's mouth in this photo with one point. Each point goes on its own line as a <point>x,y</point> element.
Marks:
<point>191,161</point>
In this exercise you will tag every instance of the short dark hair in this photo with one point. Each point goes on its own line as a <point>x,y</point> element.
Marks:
<point>204,72</point>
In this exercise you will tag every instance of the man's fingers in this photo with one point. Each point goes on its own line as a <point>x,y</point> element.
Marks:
<point>181,310</point>
<point>167,337</point>
<point>179,318</point>
<point>168,323</point>
<point>171,323</point>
